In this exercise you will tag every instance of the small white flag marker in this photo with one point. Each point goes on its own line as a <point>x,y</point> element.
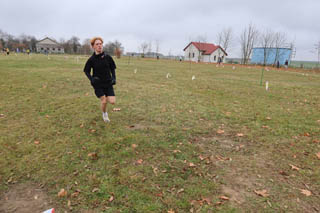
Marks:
<point>168,75</point>
<point>49,211</point>
<point>233,67</point>
<point>193,77</point>
<point>267,85</point>
<point>135,70</point>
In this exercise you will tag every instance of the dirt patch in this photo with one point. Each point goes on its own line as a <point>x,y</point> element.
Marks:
<point>24,198</point>
<point>136,127</point>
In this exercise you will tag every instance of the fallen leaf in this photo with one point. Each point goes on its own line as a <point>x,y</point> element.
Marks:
<point>134,146</point>
<point>37,142</point>
<point>47,116</point>
<point>180,190</point>
<point>10,180</point>
<point>306,134</point>
<point>62,193</point>
<point>265,127</point>
<point>294,167</point>
<point>69,203</point>
<point>92,130</point>
<point>268,118</point>
<point>139,161</point>
<point>224,197</point>
<point>201,157</point>
<point>262,193</point>
<point>240,134</point>
<point>81,126</point>
<point>306,192</point>
<point>220,131</point>
<point>111,198</point>
<point>116,109</point>
<point>192,165</point>
<point>93,155</point>
<point>159,194</point>
<point>87,94</point>
<point>1,115</point>
<point>95,190</point>
<point>207,200</point>
<point>284,173</point>
<point>75,194</point>
<point>316,141</point>
<point>176,151</point>
<point>318,155</point>
<point>170,211</point>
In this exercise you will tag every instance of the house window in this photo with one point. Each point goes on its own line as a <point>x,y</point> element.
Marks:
<point>215,58</point>
<point>192,55</point>
<point>53,48</point>
<point>41,48</point>
<point>48,48</point>
<point>58,49</point>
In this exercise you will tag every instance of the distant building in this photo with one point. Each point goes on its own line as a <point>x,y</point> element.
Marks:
<point>271,55</point>
<point>48,45</point>
<point>204,52</point>
<point>147,55</point>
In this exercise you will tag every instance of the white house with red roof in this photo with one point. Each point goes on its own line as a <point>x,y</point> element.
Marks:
<point>204,52</point>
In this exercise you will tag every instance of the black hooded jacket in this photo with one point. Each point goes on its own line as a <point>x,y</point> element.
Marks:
<point>102,66</point>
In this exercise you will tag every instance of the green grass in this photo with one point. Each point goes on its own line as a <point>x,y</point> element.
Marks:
<point>175,121</point>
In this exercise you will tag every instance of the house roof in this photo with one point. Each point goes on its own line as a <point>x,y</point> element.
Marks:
<point>48,39</point>
<point>206,48</point>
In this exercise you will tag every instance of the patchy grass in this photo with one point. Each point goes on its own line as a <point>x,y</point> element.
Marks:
<point>176,144</point>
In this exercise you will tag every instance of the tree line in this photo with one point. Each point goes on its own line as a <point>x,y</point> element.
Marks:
<point>71,46</point>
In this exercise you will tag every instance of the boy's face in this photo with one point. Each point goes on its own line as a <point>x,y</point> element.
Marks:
<point>97,46</point>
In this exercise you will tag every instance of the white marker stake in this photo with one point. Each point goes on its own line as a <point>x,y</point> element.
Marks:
<point>193,77</point>
<point>267,85</point>
<point>135,71</point>
<point>168,75</point>
<point>233,67</point>
<point>49,211</point>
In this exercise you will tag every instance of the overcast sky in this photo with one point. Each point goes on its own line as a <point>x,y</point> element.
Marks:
<point>173,22</point>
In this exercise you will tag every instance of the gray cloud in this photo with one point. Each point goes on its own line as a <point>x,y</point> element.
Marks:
<point>174,23</point>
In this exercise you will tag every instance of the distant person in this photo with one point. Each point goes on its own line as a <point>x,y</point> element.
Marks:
<point>278,64</point>
<point>286,64</point>
<point>28,51</point>
<point>8,51</point>
<point>103,75</point>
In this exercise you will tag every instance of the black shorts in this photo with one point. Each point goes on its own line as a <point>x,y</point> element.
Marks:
<point>101,91</point>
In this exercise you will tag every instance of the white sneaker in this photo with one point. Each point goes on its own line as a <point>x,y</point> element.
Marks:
<point>105,117</point>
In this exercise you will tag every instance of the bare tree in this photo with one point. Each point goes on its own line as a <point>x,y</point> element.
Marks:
<point>248,39</point>
<point>267,39</point>
<point>150,47</point>
<point>280,39</point>
<point>317,47</point>
<point>86,47</point>
<point>225,38</point>
<point>157,48</point>
<point>143,47</point>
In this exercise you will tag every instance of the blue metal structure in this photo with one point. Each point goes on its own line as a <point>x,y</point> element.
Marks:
<point>272,55</point>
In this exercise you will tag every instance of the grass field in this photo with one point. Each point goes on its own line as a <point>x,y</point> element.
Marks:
<point>218,143</point>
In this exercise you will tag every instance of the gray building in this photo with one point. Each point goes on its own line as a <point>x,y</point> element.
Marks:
<point>48,45</point>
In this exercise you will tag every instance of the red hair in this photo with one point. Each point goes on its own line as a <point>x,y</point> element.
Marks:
<point>93,40</point>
